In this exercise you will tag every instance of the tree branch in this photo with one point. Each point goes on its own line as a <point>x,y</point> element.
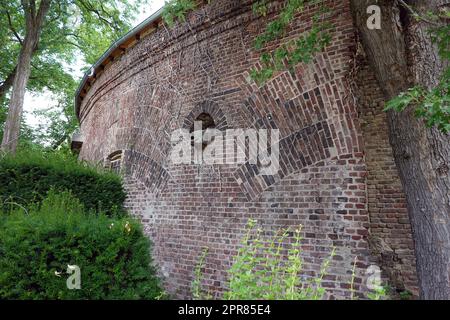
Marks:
<point>89,7</point>
<point>11,27</point>
<point>42,12</point>
<point>416,14</point>
<point>33,8</point>
<point>28,16</point>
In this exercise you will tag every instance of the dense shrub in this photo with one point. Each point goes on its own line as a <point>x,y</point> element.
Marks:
<point>28,176</point>
<point>37,246</point>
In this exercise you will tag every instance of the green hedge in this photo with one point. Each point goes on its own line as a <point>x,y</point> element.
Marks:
<point>37,246</point>
<point>27,177</point>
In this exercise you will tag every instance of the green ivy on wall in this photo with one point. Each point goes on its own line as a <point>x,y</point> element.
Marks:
<point>286,56</point>
<point>431,104</point>
<point>177,9</point>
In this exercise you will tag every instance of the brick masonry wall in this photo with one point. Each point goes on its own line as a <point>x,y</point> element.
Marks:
<point>391,236</point>
<point>331,179</point>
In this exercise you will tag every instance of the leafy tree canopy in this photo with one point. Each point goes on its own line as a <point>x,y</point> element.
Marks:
<point>75,31</point>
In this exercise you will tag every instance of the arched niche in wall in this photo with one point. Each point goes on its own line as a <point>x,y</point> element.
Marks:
<point>204,122</point>
<point>205,112</point>
<point>211,117</point>
<point>114,161</point>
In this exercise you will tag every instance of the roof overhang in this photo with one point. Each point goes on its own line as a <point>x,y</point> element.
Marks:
<point>116,49</point>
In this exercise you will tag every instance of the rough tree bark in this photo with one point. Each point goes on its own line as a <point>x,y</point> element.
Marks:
<point>34,19</point>
<point>8,82</point>
<point>402,55</point>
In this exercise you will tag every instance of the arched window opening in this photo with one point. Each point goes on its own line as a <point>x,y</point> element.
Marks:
<point>114,161</point>
<point>207,123</point>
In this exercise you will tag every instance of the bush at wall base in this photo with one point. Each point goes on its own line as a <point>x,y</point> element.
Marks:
<point>27,177</point>
<point>36,247</point>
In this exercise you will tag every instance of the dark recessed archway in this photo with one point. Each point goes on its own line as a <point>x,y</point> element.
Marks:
<point>207,122</point>
<point>114,161</point>
<point>203,112</point>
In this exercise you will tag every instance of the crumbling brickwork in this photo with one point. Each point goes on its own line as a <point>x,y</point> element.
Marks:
<point>336,177</point>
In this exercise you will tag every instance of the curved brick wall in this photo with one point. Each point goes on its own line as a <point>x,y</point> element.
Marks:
<point>337,177</point>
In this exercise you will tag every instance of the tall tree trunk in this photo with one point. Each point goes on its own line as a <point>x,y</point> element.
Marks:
<point>34,21</point>
<point>402,55</point>
<point>12,125</point>
<point>8,83</point>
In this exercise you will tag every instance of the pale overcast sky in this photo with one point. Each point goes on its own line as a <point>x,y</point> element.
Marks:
<point>45,100</point>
